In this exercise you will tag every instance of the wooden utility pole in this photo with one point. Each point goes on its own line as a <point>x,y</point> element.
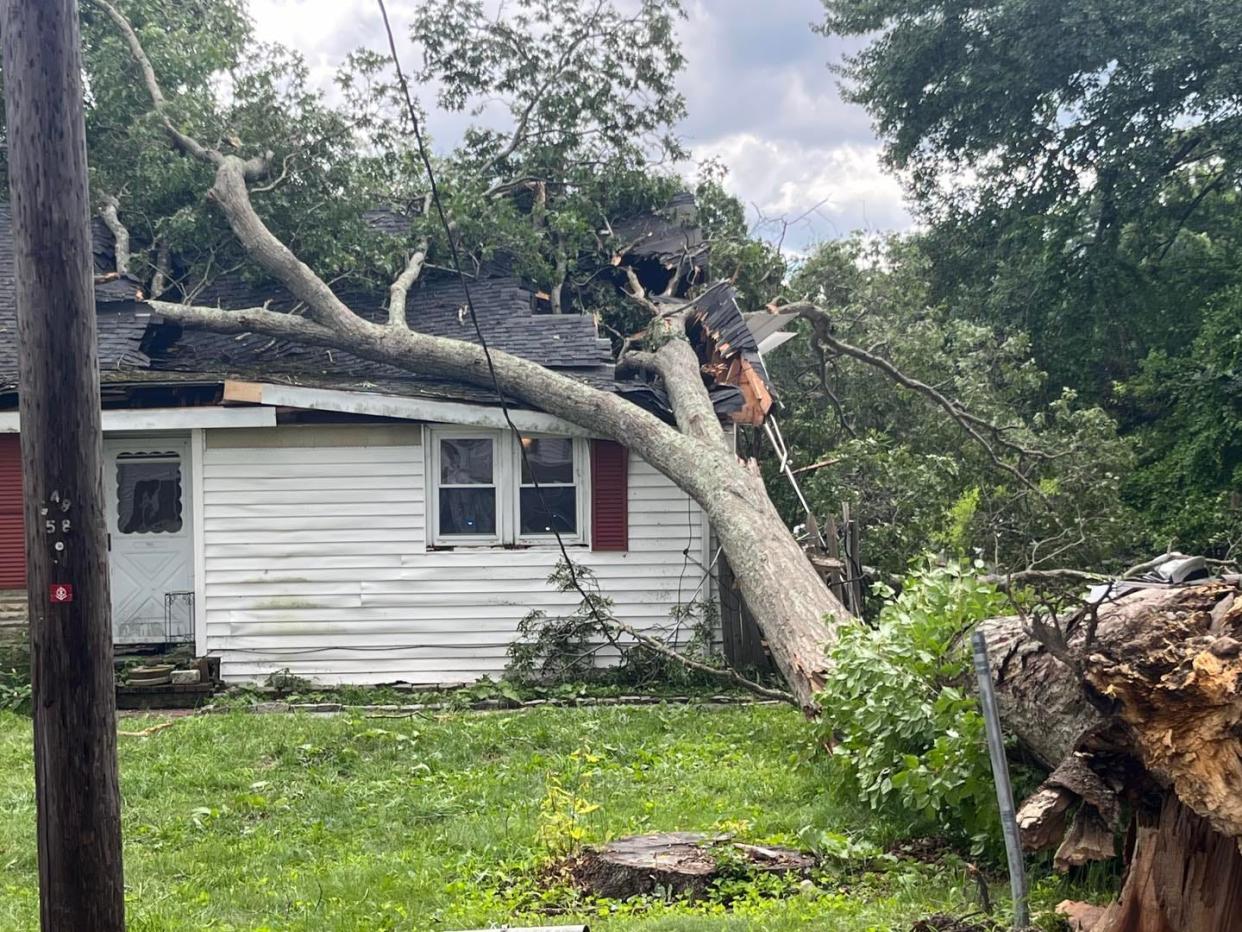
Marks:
<point>80,877</point>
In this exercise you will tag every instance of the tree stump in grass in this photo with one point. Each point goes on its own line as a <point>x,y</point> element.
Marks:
<point>678,863</point>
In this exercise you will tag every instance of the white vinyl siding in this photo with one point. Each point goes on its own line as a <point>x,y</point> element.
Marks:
<point>315,559</point>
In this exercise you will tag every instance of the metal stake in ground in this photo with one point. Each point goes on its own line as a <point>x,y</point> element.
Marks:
<point>1004,791</point>
<point>79,829</point>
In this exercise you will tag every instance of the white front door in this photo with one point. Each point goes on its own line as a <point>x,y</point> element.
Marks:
<point>147,489</point>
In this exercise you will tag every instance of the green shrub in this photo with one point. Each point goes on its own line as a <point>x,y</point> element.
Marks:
<point>15,691</point>
<point>908,737</point>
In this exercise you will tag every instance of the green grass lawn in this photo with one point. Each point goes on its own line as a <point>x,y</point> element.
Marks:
<point>248,822</point>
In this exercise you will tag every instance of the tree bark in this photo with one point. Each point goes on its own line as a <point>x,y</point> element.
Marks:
<point>79,831</point>
<point>1149,714</point>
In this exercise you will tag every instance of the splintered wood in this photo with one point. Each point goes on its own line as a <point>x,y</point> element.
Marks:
<point>1154,723</point>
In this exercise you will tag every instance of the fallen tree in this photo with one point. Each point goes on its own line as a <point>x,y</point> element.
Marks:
<point>1133,704</point>
<point>794,606</point>
<point>795,610</point>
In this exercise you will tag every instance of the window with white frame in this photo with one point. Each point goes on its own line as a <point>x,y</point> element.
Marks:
<point>486,488</point>
<point>466,487</point>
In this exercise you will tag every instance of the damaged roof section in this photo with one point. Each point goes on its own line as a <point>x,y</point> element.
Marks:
<point>729,352</point>
<point>728,346</point>
<point>668,254</point>
<point>667,251</point>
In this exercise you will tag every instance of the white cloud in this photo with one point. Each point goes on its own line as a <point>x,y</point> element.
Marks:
<point>831,190</point>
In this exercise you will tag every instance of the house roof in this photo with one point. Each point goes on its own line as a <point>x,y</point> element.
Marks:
<point>139,348</point>
<point>121,321</point>
<point>667,235</point>
<point>567,343</point>
<point>135,346</point>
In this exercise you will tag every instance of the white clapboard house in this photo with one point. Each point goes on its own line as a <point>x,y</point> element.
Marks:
<point>282,507</point>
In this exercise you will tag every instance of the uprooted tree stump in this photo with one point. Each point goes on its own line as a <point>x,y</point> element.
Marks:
<point>678,863</point>
<point>1138,714</point>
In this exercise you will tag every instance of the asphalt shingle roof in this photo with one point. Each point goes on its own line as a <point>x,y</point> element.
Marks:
<point>120,320</point>
<point>132,342</point>
<point>568,343</point>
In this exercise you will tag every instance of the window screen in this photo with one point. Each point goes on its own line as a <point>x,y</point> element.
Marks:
<point>553,506</point>
<point>148,493</point>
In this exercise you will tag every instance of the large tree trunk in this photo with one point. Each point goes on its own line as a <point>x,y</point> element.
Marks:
<point>1147,717</point>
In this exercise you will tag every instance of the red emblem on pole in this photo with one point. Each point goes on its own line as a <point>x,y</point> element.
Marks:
<point>60,592</point>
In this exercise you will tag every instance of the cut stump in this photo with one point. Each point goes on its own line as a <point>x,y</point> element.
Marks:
<point>679,863</point>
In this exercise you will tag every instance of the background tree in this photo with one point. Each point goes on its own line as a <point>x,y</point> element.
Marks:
<point>1077,165</point>
<point>912,479</point>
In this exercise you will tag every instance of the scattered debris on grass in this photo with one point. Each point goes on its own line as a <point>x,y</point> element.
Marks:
<point>943,923</point>
<point>926,850</point>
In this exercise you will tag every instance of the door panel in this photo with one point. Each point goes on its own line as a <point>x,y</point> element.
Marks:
<point>147,486</point>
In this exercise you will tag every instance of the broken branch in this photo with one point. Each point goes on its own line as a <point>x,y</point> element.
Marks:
<point>120,234</point>
<point>969,422</point>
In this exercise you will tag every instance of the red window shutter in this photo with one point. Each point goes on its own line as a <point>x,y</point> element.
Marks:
<point>610,496</point>
<point>12,529</point>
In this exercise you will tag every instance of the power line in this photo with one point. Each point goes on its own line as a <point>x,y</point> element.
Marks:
<point>474,318</point>
<point>649,642</point>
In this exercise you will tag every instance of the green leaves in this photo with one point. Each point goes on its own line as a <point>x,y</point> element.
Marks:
<point>913,477</point>
<point>907,734</point>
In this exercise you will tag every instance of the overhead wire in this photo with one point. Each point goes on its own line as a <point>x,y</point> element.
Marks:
<point>591,602</point>
<point>571,567</point>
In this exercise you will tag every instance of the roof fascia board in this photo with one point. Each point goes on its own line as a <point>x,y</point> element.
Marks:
<point>397,406</point>
<point>137,419</point>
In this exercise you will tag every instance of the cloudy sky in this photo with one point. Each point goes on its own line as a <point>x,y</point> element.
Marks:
<point>757,88</point>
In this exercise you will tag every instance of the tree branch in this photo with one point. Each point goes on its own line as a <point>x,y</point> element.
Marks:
<point>726,673</point>
<point>559,274</point>
<point>229,192</point>
<point>254,168</point>
<point>120,234</point>
<point>247,320</point>
<point>519,131</point>
<point>180,140</point>
<point>398,291</point>
<point>969,422</point>
<point>682,374</point>
<point>1022,577</point>
<point>163,268</point>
